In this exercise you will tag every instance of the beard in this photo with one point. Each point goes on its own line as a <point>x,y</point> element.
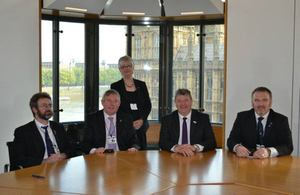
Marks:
<point>46,116</point>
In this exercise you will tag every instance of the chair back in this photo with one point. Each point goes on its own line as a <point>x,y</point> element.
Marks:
<point>10,167</point>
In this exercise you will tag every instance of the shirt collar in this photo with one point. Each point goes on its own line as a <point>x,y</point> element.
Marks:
<point>106,115</point>
<point>187,116</point>
<point>38,124</point>
<point>264,116</point>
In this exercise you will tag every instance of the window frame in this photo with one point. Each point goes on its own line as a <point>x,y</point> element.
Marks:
<point>91,93</point>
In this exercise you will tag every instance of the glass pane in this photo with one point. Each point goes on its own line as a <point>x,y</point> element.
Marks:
<point>71,72</point>
<point>145,54</point>
<point>186,61</point>
<point>112,46</point>
<point>47,62</point>
<point>214,71</point>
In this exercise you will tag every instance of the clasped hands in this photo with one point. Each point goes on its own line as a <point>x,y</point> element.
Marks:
<point>185,149</point>
<point>241,151</point>
<point>101,150</point>
<point>54,158</point>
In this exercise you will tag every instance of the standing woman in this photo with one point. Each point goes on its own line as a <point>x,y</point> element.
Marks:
<point>135,99</point>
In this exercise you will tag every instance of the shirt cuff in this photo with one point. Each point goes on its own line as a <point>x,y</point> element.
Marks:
<point>274,152</point>
<point>200,147</point>
<point>172,149</point>
<point>236,146</point>
<point>92,151</point>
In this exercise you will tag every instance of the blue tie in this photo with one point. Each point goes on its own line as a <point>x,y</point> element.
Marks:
<point>260,131</point>
<point>49,144</point>
<point>184,131</point>
<point>112,133</point>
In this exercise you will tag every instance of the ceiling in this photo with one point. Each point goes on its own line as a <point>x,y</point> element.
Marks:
<point>144,8</point>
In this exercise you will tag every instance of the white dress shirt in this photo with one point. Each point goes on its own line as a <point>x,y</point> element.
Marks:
<point>107,125</point>
<point>51,136</point>
<point>188,123</point>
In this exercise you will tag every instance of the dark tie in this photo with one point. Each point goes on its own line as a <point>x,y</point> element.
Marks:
<point>49,144</point>
<point>184,131</point>
<point>260,131</point>
<point>112,133</point>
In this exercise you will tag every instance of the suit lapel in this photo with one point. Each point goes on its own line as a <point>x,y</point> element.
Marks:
<point>119,127</point>
<point>101,125</point>
<point>252,125</point>
<point>176,124</point>
<point>193,125</point>
<point>269,124</point>
<point>55,130</point>
<point>35,131</point>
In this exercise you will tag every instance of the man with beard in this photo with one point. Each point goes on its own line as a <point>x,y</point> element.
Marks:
<point>40,141</point>
<point>260,132</point>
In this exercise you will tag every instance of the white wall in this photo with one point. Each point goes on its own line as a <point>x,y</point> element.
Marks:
<point>296,87</point>
<point>19,58</point>
<point>260,52</point>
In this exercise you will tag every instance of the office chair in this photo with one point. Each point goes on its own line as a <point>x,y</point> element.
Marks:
<point>10,167</point>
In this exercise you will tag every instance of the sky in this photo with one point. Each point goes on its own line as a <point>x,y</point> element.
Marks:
<point>112,42</point>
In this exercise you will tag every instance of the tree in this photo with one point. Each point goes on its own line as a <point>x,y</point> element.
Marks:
<point>79,75</point>
<point>113,75</point>
<point>46,77</point>
<point>66,77</point>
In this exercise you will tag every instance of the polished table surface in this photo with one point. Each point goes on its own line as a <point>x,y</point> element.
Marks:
<point>158,172</point>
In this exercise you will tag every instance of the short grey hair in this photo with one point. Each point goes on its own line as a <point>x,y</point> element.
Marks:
<point>110,92</point>
<point>261,89</point>
<point>125,58</point>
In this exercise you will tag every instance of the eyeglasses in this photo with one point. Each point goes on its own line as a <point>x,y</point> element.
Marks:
<point>126,67</point>
<point>46,106</point>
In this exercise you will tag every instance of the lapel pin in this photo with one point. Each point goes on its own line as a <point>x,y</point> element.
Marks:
<point>270,125</point>
<point>195,122</point>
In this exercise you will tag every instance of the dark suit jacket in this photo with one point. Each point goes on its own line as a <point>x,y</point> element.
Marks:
<point>277,132</point>
<point>95,132</point>
<point>28,147</point>
<point>200,131</point>
<point>144,103</point>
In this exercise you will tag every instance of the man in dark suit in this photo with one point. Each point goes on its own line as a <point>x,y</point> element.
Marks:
<point>40,141</point>
<point>186,131</point>
<point>260,132</point>
<point>109,128</point>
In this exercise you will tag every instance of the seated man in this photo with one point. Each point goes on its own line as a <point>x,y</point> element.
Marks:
<point>109,128</point>
<point>40,141</point>
<point>186,131</point>
<point>260,132</point>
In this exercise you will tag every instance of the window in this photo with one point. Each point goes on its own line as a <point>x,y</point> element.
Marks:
<point>213,71</point>
<point>47,61</point>
<point>71,71</point>
<point>137,47</point>
<point>167,56</point>
<point>186,61</point>
<point>155,45</point>
<point>112,46</point>
<point>146,62</point>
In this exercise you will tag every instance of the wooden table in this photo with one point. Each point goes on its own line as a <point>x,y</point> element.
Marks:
<point>158,172</point>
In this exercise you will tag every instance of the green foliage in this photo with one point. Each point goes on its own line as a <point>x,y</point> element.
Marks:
<point>108,76</point>
<point>76,77</point>
<point>46,77</point>
<point>66,77</point>
<point>79,74</point>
